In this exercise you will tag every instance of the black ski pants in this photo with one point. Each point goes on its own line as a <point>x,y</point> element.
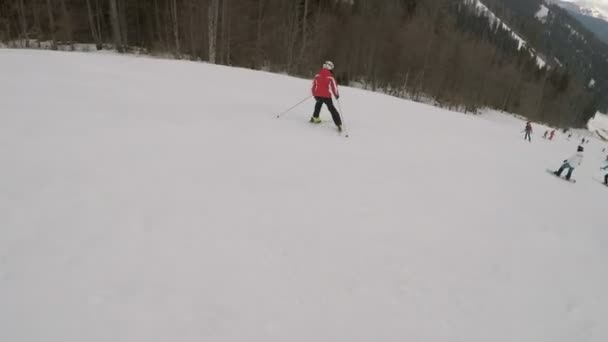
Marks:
<point>330,105</point>
<point>527,136</point>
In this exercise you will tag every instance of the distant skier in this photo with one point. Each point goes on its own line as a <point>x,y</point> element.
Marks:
<point>528,131</point>
<point>571,163</point>
<point>605,168</point>
<point>545,135</point>
<point>552,135</point>
<point>323,87</point>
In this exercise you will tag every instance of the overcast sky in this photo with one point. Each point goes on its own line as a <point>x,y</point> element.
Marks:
<point>599,4</point>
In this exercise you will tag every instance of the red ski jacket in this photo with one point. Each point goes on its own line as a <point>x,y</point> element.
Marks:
<point>324,84</point>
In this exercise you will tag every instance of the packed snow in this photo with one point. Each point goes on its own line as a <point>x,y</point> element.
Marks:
<point>154,200</point>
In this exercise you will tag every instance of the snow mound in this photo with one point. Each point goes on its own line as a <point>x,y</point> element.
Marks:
<point>153,200</point>
<point>542,13</point>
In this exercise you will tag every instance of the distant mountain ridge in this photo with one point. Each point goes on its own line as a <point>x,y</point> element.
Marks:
<point>585,7</point>
<point>595,20</point>
<point>562,38</point>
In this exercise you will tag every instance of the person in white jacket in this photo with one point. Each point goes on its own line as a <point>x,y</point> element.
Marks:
<point>571,163</point>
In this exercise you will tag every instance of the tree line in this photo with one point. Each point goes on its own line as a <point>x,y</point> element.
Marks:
<point>434,49</point>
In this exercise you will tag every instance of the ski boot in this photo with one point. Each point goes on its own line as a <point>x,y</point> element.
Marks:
<point>315,120</point>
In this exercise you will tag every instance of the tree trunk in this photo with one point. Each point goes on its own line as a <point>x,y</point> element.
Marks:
<point>49,8</point>
<point>98,20</point>
<point>304,29</point>
<point>213,18</point>
<point>292,37</point>
<point>36,16</point>
<point>258,40</point>
<point>223,32</point>
<point>514,86</point>
<point>122,16</point>
<point>23,23</point>
<point>67,19</point>
<point>138,40</point>
<point>175,26</point>
<point>192,14</point>
<point>157,23</point>
<point>115,25</point>
<point>94,32</point>
<point>227,43</point>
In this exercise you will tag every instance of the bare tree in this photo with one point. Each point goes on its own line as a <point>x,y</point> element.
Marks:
<point>115,25</point>
<point>23,22</point>
<point>259,26</point>
<point>174,20</point>
<point>213,20</point>
<point>304,29</point>
<point>49,8</point>
<point>93,25</point>
<point>67,23</point>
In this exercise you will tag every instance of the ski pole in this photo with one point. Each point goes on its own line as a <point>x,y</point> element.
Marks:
<point>341,118</point>
<point>294,106</point>
<point>340,111</point>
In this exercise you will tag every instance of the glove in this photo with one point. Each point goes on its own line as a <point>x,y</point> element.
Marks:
<point>337,97</point>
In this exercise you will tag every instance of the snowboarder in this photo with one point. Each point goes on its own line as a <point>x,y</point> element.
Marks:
<point>323,87</point>
<point>528,131</point>
<point>605,168</point>
<point>571,163</point>
<point>552,135</point>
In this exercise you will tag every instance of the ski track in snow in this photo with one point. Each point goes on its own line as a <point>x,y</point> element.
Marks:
<point>153,200</point>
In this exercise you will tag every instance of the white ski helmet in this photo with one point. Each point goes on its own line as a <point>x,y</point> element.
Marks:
<point>329,65</point>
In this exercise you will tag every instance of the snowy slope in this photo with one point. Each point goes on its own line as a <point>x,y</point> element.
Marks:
<point>153,200</point>
<point>522,43</point>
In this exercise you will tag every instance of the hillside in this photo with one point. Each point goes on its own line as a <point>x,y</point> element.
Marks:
<point>443,51</point>
<point>152,200</point>
<point>565,41</point>
<point>594,20</point>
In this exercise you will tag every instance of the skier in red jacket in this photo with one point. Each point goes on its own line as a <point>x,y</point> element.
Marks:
<point>323,87</point>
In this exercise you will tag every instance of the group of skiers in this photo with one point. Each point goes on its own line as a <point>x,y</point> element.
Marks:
<point>571,163</point>
<point>324,86</point>
<point>547,135</point>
